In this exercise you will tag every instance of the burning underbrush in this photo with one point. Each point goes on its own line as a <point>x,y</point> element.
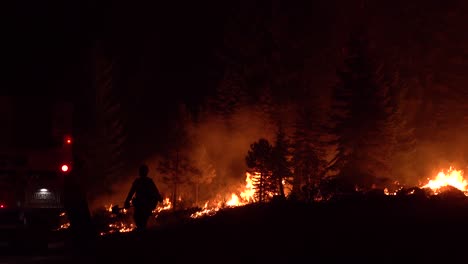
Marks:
<point>447,185</point>
<point>112,219</point>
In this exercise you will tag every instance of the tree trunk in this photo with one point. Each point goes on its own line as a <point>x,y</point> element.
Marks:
<point>176,179</point>
<point>260,193</point>
<point>281,187</point>
<point>197,186</point>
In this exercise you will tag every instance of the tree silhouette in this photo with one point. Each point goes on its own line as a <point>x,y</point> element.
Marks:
<point>176,164</point>
<point>103,148</point>
<point>206,172</point>
<point>258,161</point>
<point>280,161</point>
<point>308,149</point>
<point>360,111</point>
<point>230,95</point>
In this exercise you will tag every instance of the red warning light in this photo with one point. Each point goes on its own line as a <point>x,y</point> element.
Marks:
<point>65,168</point>
<point>68,140</point>
<point>2,206</point>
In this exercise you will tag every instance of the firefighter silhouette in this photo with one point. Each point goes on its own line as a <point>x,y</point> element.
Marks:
<point>144,196</point>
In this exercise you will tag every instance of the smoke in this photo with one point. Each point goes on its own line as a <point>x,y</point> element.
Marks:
<point>117,193</point>
<point>218,146</point>
<point>224,143</point>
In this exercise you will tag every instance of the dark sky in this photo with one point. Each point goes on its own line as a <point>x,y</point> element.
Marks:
<point>45,43</point>
<point>164,51</point>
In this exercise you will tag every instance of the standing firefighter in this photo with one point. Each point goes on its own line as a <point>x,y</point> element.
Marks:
<point>144,196</point>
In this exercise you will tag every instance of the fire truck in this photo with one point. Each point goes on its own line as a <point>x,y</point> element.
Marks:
<point>35,157</point>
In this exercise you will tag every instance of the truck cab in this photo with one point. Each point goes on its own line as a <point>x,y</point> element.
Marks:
<point>35,157</point>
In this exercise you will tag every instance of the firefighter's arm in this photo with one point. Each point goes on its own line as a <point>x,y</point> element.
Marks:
<point>156,192</point>
<point>129,196</point>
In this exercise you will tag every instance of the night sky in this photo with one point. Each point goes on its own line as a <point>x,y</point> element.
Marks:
<point>167,52</point>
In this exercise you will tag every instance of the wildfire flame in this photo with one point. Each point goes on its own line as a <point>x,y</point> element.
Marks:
<point>246,195</point>
<point>234,201</point>
<point>452,178</point>
<point>242,197</point>
<point>166,205</point>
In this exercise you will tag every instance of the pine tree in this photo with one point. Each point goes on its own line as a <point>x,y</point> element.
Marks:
<point>104,151</point>
<point>400,133</point>
<point>360,112</point>
<point>308,149</point>
<point>230,95</point>
<point>280,161</point>
<point>176,164</point>
<point>207,171</point>
<point>258,161</point>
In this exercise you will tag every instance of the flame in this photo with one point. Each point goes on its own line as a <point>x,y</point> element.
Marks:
<point>246,195</point>
<point>121,226</point>
<point>205,212</point>
<point>234,201</point>
<point>452,178</point>
<point>166,205</point>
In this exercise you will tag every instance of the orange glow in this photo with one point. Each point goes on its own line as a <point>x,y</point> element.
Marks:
<point>65,168</point>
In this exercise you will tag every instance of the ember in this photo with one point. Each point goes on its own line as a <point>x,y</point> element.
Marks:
<point>64,226</point>
<point>121,227</point>
<point>64,222</point>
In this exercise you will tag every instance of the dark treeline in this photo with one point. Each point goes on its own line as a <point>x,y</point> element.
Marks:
<point>366,90</point>
<point>361,96</point>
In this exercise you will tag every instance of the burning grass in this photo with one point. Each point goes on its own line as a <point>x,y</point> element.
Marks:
<point>447,182</point>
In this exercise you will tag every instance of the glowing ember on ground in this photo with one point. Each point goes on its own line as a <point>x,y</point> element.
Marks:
<point>64,226</point>
<point>110,209</point>
<point>388,193</point>
<point>205,212</point>
<point>120,227</point>
<point>452,177</point>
